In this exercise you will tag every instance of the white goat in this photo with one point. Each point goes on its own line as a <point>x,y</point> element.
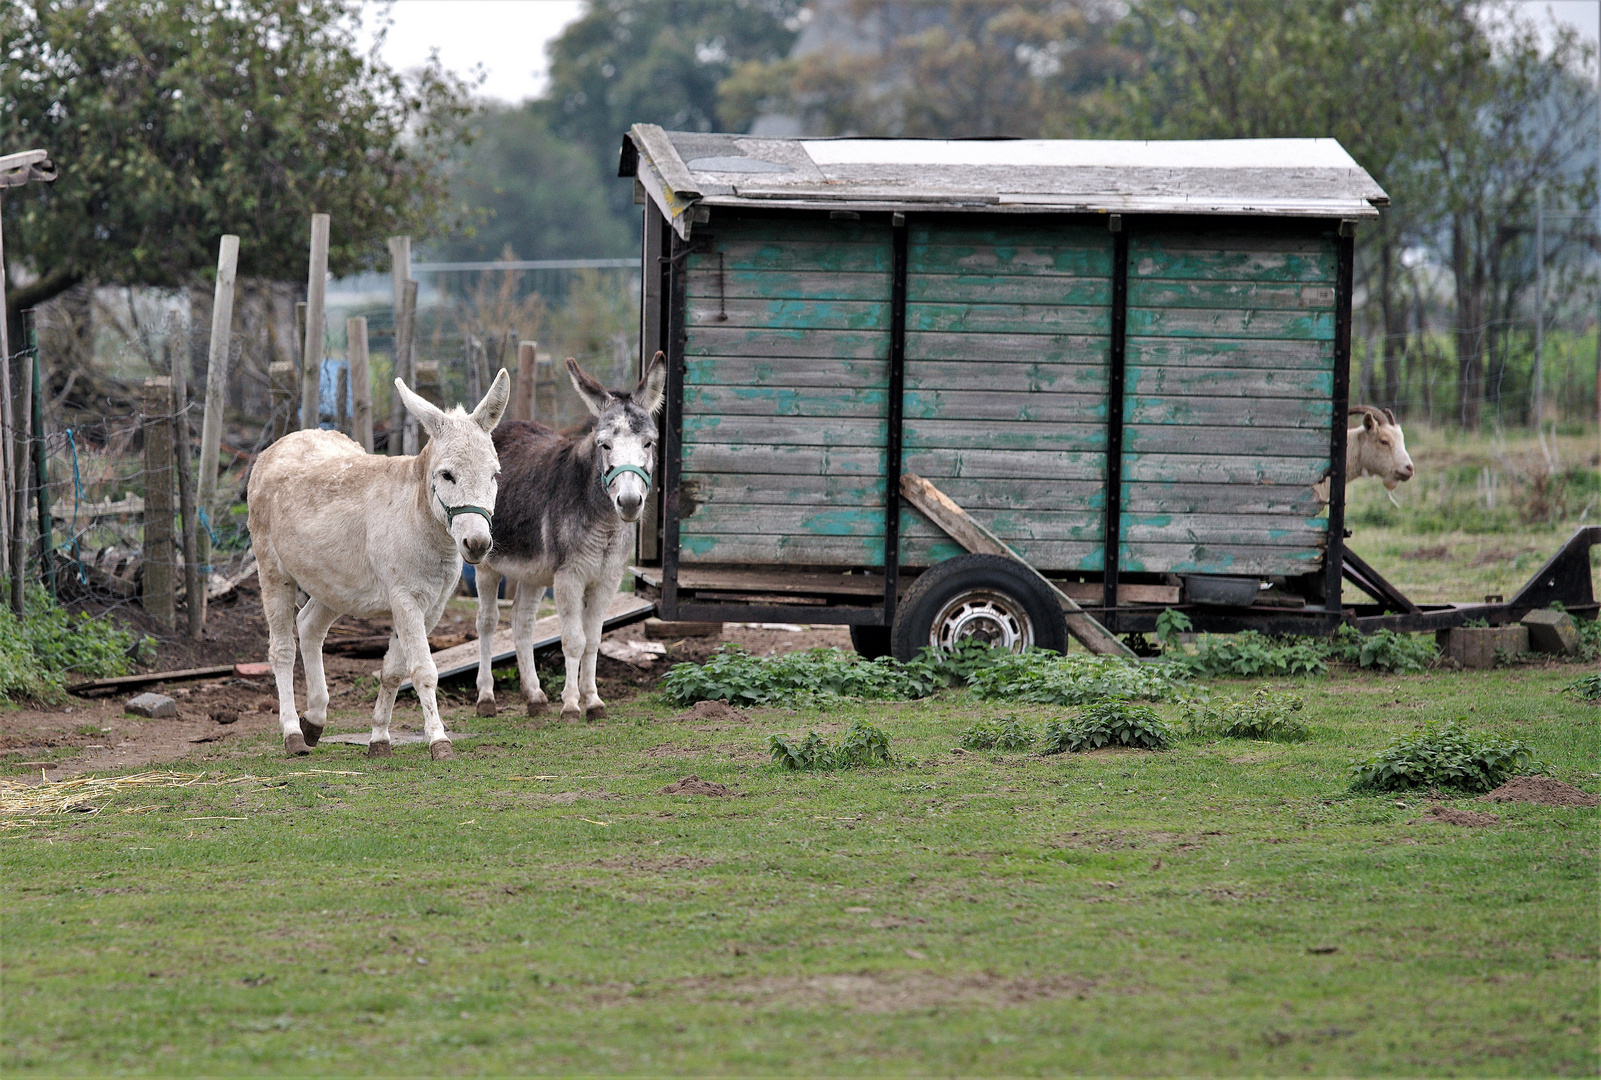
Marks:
<point>1377,448</point>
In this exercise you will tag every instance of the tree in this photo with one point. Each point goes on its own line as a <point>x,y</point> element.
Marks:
<point>521,189</point>
<point>174,121</point>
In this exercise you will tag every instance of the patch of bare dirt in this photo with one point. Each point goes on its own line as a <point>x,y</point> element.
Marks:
<point>1470,818</point>
<point>670,750</point>
<point>694,785</point>
<point>1543,790</point>
<point>1430,554</point>
<point>715,711</point>
<point>872,992</point>
<point>656,866</point>
<point>1495,556</point>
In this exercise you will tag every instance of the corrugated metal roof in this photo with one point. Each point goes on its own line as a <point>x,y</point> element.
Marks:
<point>682,170</point>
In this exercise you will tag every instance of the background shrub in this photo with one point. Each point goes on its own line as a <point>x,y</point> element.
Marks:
<point>1383,650</point>
<point>1250,654</point>
<point>1108,723</point>
<point>37,652</point>
<point>1444,757</point>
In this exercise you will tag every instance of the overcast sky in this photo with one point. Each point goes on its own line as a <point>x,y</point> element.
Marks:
<point>507,38</point>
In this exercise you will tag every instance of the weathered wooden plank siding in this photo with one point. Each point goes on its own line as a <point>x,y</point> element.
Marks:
<point>1007,346</point>
<point>1227,401</point>
<point>785,379</point>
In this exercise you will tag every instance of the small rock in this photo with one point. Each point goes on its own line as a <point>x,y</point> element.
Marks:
<point>1552,632</point>
<point>225,716</point>
<point>154,706</point>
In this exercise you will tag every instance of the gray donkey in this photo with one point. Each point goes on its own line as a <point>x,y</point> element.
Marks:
<point>565,516</point>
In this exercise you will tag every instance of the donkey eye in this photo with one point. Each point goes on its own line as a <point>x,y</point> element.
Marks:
<point>447,476</point>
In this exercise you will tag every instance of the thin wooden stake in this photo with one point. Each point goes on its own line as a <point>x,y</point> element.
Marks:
<point>360,382</point>
<point>22,402</point>
<point>316,326</point>
<point>157,561</point>
<point>211,426</point>
<point>527,368</point>
<point>407,361</point>
<point>939,509</point>
<point>399,274</point>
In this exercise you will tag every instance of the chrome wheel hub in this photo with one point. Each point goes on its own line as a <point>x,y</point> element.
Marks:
<point>982,615</point>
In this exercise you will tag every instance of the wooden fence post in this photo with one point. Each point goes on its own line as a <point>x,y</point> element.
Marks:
<point>406,362</point>
<point>157,561</point>
<point>399,274</point>
<point>196,576</point>
<point>210,430</point>
<point>360,382</point>
<point>527,373</point>
<point>22,401</point>
<point>475,388</point>
<point>41,462</point>
<point>311,356</point>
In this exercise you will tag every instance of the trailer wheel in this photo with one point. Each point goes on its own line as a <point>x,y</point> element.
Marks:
<point>870,642</point>
<point>984,597</point>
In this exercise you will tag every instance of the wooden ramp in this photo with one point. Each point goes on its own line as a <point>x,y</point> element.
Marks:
<point>459,659</point>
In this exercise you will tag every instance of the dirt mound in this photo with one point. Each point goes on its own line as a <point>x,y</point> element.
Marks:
<point>1471,818</point>
<point>712,710</point>
<point>1543,790</point>
<point>694,785</point>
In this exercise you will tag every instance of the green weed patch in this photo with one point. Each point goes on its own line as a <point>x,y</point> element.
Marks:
<point>40,650</point>
<point>861,746</point>
<point>1108,723</point>
<point>1447,758</point>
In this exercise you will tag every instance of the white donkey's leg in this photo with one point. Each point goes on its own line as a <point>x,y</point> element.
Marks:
<point>596,600</point>
<point>278,604</point>
<point>411,626</point>
<point>390,677</point>
<point>488,619</point>
<point>569,588</point>
<point>524,612</point>
<point>315,619</point>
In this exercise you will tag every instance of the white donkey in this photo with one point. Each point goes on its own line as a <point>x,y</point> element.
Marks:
<point>566,517</point>
<point>367,535</point>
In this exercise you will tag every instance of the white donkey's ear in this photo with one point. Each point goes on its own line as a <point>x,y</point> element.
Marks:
<point>652,387</point>
<point>493,407</point>
<point>427,414</point>
<point>596,396</point>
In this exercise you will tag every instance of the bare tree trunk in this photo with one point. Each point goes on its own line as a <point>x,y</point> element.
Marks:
<point>1469,332</point>
<point>1393,308</point>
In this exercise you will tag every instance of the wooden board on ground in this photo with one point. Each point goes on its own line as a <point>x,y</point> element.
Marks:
<point>625,608</point>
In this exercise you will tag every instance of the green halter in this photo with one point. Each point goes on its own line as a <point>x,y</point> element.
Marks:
<point>606,481</point>
<point>452,512</point>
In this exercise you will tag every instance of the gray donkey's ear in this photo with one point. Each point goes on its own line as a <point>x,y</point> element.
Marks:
<point>493,407</point>
<point>596,396</point>
<point>648,394</point>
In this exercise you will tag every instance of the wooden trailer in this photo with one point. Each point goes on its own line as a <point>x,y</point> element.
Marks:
<point>1127,360</point>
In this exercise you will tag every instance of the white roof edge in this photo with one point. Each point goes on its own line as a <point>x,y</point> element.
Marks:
<point>1344,209</point>
<point>1087,153</point>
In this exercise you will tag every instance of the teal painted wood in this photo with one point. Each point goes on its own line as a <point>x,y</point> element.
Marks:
<point>1217,559</point>
<point>1265,260</point>
<point>1230,382</point>
<point>1228,412</point>
<point>1040,378</point>
<point>986,435</point>
<point>1156,352</point>
<point>1270,444</point>
<point>991,463</point>
<point>846,551</point>
<point>972,493</point>
<point>1259,530</point>
<point>792,256</point>
<point>770,519</point>
<point>1212,468</point>
<point>775,344</point>
<point>745,284</point>
<point>1241,295</point>
<point>1000,348</point>
<point>783,460</point>
<point>785,372</point>
<point>1042,407</point>
<point>1289,500</point>
<point>788,314</point>
<point>784,431</point>
<point>724,401</point>
<point>1007,319</point>
<point>999,289</point>
<point>730,231</point>
<point>1208,323</point>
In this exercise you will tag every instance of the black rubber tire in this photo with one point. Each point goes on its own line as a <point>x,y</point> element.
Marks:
<point>870,642</point>
<point>944,582</point>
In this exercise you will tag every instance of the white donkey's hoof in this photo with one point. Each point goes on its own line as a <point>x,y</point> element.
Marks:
<point>380,749</point>
<point>295,745</point>
<point>596,711</point>
<point>486,707</point>
<point>571,712</point>
<point>440,750</point>
<point>312,732</point>
<point>537,708</point>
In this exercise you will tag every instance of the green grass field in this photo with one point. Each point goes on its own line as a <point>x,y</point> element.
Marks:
<point>536,906</point>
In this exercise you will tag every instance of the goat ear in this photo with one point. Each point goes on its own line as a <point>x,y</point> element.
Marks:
<point>652,387</point>
<point>493,407</point>
<point>596,396</point>
<point>427,414</point>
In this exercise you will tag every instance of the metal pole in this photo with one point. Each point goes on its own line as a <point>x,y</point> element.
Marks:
<point>311,357</point>
<point>1539,306</point>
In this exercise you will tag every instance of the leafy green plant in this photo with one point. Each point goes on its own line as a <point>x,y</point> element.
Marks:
<point>734,675</point>
<point>37,652</point>
<point>1383,650</point>
<point>1251,654</point>
<point>1445,757</point>
<point>1265,714</point>
<point>1110,722</point>
<point>998,734</point>
<point>1048,678</point>
<point>1588,688</point>
<point>861,746</point>
<point>1589,638</point>
<point>1170,624</point>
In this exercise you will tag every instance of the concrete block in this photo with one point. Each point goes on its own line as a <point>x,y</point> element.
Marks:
<point>1552,632</point>
<point>658,630</point>
<point>1475,646</point>
<point>154,706</point>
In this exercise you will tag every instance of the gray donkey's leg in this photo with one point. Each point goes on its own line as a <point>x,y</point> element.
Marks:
<point>488,619</point>
<point>390,677</point>
<point>278,604</point>
<point>315,619</point>
<point>569,587</point>
<point>596,599</point>
<point>524,610</point>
